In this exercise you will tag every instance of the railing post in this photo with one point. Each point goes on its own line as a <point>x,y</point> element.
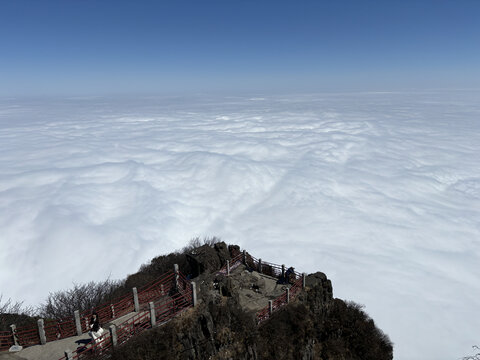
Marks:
<point>112,308</point>
<point>162,290</point>
<point>288,295</point>
<point>228,267</point>
<point>68,355</point>
<point>194,293</point>
<point>78,324</point>
<point>270,307</point>
<point>113,335</point>
<point>14,334</point>
<point>303,280</point>
<point>175,270</point>
<point>260,266</point>
<point>135,300</point>
<point>283,272</point>
<point>41,331</point>
<point>153,317</point>
<point>244,257</point>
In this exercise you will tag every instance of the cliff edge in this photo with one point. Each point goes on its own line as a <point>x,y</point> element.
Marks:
<point>225,323</point>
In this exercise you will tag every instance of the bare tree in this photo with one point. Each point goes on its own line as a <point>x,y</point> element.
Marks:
<point>211,241</point>
<point>473,357</point>
<point>9,307</point>
<point>13,313</point>
<point>62,304</point>
<point>197,242</point>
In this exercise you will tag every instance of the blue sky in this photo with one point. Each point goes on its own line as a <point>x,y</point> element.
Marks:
<point>90,47</point>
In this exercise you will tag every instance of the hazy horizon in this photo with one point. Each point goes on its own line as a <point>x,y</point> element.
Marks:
<point>62,48</point>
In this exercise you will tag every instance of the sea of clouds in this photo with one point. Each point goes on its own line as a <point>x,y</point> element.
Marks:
<point>381,191</point>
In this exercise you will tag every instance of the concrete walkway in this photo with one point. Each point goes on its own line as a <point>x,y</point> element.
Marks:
<point>253,290</point>
<point>55,350</point>
<point>10,356</point>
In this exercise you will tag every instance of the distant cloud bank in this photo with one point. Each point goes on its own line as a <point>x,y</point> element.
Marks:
<point>381,191</point>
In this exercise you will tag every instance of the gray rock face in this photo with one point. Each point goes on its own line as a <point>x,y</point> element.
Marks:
<point>315,278</point>
<point>223,325</point>
<point>208,259</point>
<point>322,289</point>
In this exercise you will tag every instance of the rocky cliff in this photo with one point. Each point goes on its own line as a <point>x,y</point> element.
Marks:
<point>223,325</point>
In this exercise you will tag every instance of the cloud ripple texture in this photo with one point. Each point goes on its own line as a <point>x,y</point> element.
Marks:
<point>381,191</point>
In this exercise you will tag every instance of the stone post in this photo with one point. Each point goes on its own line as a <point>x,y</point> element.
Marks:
<point>41,331</point>
<point>113,335</point>
<point>288,295</point>
<point>78,324</point>
<point>153,317</point>
<point>228,267</point>
<point>194,293</point>
<point>260,266</point>
<point>14,334</point>
<point>175,270</point>
<point>68,355</point>
<point>304,276</point>
<point>135,300</point>
<point>244,257</point>
<point>270,307</point>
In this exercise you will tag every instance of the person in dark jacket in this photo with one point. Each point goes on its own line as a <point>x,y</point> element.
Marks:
<point>95,329</point>
<point>290,276</point>
<point>94,322</point>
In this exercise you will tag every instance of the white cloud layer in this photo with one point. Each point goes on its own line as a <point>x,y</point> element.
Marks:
<point>381,191</point>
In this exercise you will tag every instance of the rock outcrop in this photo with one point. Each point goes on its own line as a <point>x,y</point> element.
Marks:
<point>223,326</point>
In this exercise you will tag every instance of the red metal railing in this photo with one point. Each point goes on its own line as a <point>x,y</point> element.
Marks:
<point>280,301</point>
<point>101,348</point>
<point>56,330</point>
<point>166,308</point>
<point>262,315</point>
<point>270,269</point>
<point>133,326</point>
<point>28,336</point>
<point>125,305</point>
<point>62,328</point>
<point>157,283</point>
<point>235,262</point>
<point>296,287</point>
<point>156,290</point>
<point>6,340</point>
<point>184,284</point>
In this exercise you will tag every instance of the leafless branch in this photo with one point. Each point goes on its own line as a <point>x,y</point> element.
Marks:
<point>81,297</point>
<point>475,356</point>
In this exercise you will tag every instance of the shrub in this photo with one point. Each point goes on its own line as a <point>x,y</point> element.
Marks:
<point>15,313</point>
<point>349,330</point>
<point>62,304</point>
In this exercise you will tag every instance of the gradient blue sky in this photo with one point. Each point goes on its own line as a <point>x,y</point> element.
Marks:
<point>105,46</point>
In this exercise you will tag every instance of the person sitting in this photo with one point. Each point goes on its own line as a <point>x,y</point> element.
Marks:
<point>290,276</point>
<point>95,329</point>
